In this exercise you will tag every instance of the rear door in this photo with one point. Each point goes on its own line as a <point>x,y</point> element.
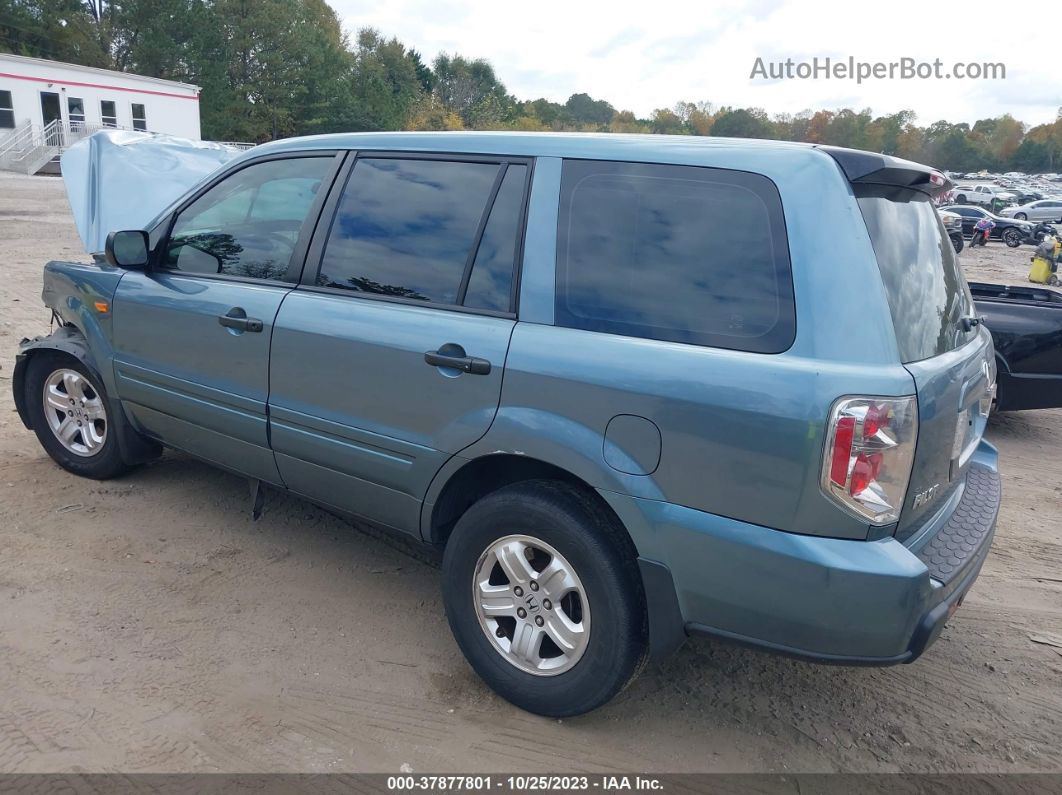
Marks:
<point>388,358</point>
<point>950,360</point>
<point>192,334</point>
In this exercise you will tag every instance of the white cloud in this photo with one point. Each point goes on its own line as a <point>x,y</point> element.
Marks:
<point>641,56</point>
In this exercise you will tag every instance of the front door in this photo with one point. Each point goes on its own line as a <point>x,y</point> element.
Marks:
<point>192,334</point>
<point>388,359</point>
<point>51,111</point>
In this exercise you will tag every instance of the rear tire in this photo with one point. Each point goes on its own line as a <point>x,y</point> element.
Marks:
<point>519,545</point>
<point>70,413</point>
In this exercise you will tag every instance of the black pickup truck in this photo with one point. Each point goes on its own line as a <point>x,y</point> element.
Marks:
<point>1026,327</point>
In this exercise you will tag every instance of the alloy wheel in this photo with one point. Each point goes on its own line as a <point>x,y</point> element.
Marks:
<point>75,412</point>
<point>531,605</point>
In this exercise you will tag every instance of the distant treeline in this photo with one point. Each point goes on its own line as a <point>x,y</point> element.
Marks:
<point>275,68</point>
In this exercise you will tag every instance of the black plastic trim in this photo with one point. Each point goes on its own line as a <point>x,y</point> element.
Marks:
<point>694,628</point>
<point>666,629</point>
<point>931,625</point>
<point>868,167</point>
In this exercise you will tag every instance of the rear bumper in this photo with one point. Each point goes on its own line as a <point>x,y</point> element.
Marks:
<point>821,599</point>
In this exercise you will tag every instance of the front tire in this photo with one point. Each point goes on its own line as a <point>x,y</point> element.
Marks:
<point>957,242</point>
<point>543,596</point>
<point>70,413</point>
<point>1021,216</point>
<point>1012,237</point>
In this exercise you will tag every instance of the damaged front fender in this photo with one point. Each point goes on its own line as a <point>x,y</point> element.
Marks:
<point>133,446</point>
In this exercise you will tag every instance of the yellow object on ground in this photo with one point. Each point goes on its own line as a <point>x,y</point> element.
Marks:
<point>1043,262</point>
<point>1040,272</point>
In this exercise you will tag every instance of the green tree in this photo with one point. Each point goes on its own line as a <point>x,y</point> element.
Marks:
<point>62,30</point>
<point>283,63</point>
<point>585,110</point>
<point>470,89</point>
<point>424,73</point>
<point>742,123</point>
<point>383,86</point>
<point>667,122</point>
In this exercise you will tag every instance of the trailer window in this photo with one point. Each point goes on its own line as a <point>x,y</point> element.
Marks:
<point>7,111</point>
<point>109,113</point>
<point>139,117</point>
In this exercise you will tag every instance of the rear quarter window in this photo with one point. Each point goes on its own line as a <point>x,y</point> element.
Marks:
<point>677,253</point>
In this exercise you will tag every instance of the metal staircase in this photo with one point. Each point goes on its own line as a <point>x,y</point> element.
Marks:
<point>29,148</point>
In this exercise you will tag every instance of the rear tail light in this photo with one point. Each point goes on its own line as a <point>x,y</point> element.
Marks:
<point>870,447</point>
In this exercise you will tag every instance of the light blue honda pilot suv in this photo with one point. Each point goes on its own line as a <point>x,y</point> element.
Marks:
<point>633,387</point>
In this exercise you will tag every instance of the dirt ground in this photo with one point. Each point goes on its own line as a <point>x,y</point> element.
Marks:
<point>147,624</point>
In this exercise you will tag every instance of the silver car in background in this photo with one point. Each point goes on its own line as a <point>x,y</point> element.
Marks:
<point>1049,210</point>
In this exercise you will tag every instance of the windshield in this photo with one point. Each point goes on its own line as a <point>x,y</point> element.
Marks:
<point>927,292</point>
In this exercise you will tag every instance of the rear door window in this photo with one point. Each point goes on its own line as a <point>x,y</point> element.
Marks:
<point>678,253</point>
<point>438,231</point>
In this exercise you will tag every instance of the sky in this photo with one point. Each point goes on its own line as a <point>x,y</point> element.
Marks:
<point>646,55</point>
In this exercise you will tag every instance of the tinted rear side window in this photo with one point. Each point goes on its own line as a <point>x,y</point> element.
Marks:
<point>490,286</point>
<point>678,253</point>
<point>405,228</point>
<point>927,292</point>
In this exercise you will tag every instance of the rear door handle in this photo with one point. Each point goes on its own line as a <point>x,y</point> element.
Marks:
<point>236,318</point>
<point>466,364</point>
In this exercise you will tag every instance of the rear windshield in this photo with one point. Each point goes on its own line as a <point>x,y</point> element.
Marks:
<point>927,292</point>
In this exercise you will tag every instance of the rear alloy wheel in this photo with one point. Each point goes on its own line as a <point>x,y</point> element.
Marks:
<point>70,414</point>
<point>531,605</point>
<point>544,597</point>
<point>1012,237</point>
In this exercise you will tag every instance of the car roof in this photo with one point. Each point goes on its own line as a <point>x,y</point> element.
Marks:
<point>532,144</point>
<point>769,157</point>
<point>750,154</point>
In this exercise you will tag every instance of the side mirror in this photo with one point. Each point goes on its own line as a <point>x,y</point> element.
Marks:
<point>128,249</point>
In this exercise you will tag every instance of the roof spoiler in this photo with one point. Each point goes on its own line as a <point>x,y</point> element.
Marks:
<point>877,169</point>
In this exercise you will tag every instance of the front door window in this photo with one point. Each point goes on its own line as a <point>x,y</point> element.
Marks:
<point>248,224</point>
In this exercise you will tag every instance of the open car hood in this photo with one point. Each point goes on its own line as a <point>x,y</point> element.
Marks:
<point>119,179</point>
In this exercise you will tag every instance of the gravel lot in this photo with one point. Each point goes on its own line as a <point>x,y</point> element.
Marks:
<point>147,624</point>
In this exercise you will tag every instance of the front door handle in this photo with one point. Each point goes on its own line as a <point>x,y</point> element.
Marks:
<point>453,357</point>
<point>236,318</point>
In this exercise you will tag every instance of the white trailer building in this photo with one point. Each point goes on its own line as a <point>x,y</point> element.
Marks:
<point>47,105</point>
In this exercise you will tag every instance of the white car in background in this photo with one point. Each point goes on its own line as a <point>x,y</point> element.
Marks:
<point>1049,210</point>
<point>982,194</point>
